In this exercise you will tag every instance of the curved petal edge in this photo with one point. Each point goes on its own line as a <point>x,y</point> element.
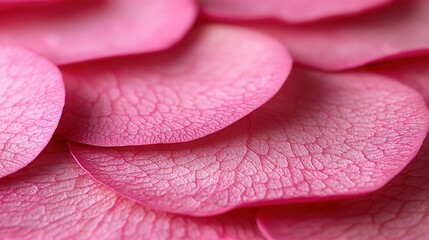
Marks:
<point>322,136</point>
<point>213,78</point>
<point>31,103</point>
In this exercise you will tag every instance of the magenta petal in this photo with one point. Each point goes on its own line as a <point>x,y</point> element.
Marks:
<point>293,11</point>
<point>31,102</point>
<point>399,210</point>
<point>53,198</point>
<point>217,76</point>
<point>80,30</point>
<point>397,30</point>
<point>323,135</point>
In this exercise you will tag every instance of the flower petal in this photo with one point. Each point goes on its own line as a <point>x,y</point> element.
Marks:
<point>76,30</point>
<point>399,210</point>
<point>398,30</point>
<point>53,198</point>
<point>323,135</point>
<point>217,76</point>
<point>286,10</point>
<point>31,102</point>
<point>412,72</point>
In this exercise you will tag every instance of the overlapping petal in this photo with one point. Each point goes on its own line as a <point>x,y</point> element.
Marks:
<point>292,11</point>
<point>53,198</point>
<point>399,210</point>
<point>215,77</point>
<point>413,72</point>
<point>81,30</point>
<point>397,30</point>
<point>31,102</point>
<point>323,135</point>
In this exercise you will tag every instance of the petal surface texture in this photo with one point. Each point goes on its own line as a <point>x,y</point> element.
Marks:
<point>76,30</point>
<point>323,135</point>
<point>400,210</point>
<point>31,102</point>
<point>53,198</point>
<point>352,42</point>
<point>291,11</point>
<point>217,76</point>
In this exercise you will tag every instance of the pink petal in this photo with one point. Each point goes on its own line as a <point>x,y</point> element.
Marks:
<point>323,135</point>
<point>217,76</point>
<point>286,10</point>
<point>82,30</point>
<point>399,210</point>
<point>31,102</point>
<point>53,198</point>
<point>394,31</point>
<point>412,72</point>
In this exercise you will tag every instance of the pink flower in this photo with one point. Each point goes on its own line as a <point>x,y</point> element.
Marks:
<point>158,119</point>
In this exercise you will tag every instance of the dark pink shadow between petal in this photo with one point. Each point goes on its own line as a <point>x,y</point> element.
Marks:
<point>11,3</point>
<point>413,72</point>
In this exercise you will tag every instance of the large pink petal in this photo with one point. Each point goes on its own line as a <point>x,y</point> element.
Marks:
<point>399,210</point>
<point>412,72</point>
<point>323,135</point>
<point>80,30</point>
<point>53,198</point>
<point>286,10</point>
<point>31,102</point>
<point>397,30</point>
<point>217,76</point>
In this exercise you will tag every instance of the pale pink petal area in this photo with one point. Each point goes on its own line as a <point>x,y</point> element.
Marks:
<point>400,210</point>
<point>413,72</point>
<point>53,198</point>
<point>215,77</point>
<point>291,11</point>
<point>31,102</point>
<point>323,136</point>
<point>88,29</point>
<point>397,30</point>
